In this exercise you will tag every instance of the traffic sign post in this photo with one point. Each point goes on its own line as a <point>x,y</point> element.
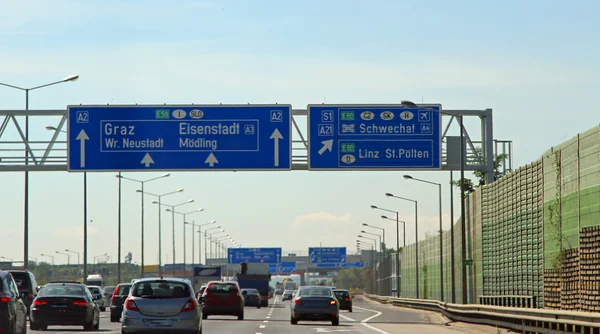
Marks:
<point>374,137</point>
<point>253,255</point>
<point>179,137</point>
<point>353,265</point>
<point>327,254</point>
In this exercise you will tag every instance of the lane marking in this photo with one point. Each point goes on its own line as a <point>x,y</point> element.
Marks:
<point>265,321</point>
<point>364,321</point>
<point>346,318</point>
<point>262,326</point>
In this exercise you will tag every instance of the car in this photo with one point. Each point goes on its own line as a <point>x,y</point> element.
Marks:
<point>26,282</point>
<point>118,298</point>
<point>251,297</point>
<point>222,298</point>
<point>200,292</point>
<point>108,292</point>
<point>344,298</point>
<point>98,296</point>
<point>287,295</point>
<point>278,292</point>
<point>161,305</point>
<point>315,303</point>
<point>13,310</point>
<point>64,304</point>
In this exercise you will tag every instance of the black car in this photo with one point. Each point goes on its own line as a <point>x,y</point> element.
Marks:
<point>251,297</point>
<point>344,298</point>
<point>25,283</point>
<point>118,298</point>
<point>13,312</point>
<point>64,304</point>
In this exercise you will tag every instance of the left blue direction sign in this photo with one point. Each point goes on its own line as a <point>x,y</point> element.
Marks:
<point>254,255</point>
<point>179,137</point>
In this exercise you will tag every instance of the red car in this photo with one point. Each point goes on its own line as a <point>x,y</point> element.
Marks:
<point>222,298</point>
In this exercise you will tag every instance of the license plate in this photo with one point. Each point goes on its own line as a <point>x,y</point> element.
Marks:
<point>158,323</point>
<point>59,306</point>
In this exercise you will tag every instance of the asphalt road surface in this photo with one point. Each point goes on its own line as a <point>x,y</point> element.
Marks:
<point>367,318</point>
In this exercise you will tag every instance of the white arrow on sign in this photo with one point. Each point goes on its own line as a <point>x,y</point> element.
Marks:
<point>147,160</point>
<point>327,146</point>
<point>82,137</point>
<point>211,160</point>
<point>276,136</point>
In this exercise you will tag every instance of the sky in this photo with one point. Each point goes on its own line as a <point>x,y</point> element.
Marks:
<point>535,63</point>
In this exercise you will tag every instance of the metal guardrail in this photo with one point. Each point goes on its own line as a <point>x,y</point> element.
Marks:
<point>523,320</point>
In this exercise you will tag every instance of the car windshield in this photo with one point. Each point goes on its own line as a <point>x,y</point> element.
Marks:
<point>250,291</point>
<point>341,294</point>
<point>221,288</point>
<point>160,289</point>
<point>124,290</point>
<point>61,290</point>
<point>314,292</point>
<point>94,290</point>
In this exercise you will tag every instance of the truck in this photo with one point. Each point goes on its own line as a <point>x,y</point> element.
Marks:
<point>289,284</point>
<point>255,276</point>
<point>96,280</point>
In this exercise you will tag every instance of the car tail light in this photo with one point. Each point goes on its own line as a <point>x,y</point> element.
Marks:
<point>130,305</point>
<point>39,302</point>
<point>114,296</point>
<point>189,306</point>
<point>4,299</point>
<point>333,302</point>
<point>298,302</point>
<point>347,298</point>
<point>80,302</point>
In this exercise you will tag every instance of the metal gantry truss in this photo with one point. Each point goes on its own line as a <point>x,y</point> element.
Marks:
<point>50,154</point>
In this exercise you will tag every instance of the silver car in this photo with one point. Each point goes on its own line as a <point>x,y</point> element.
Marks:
<point>161,305</point>
<point>98,295</point>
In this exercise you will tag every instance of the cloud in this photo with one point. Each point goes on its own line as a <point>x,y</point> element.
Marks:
<point>321,217</point>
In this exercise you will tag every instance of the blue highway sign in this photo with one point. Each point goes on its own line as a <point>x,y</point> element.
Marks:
<point>254,255</point>
<point>353,265</point>
<point>179,137</point>
<point>327,254</point>
<point>328,265</point>
<point>282,268</point>
<point>374,137</point>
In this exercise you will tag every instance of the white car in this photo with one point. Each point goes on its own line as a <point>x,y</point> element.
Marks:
<point>98,295</point>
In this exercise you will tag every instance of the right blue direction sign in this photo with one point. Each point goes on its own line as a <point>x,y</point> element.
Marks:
<point>327,254</point>
<point>374,137</point>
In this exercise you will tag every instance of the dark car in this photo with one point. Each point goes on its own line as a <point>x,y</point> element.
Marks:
<point>315,303</point>
<point>344,298</point>
<point>251,297</point>
<point>222,298</point>
<point>13,312</point>
<point>64,304</point>
<point>118,298</point>
<point>26,282</point>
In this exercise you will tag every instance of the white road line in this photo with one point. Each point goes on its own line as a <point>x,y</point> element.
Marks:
<point>364,322</point>
<point>265,321</point>
<point>262,326</point>
<point>346,318</point>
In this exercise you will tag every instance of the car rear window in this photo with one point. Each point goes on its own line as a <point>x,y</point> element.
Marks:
<point>61,290</point>
<point>21,279</point>
<point>222,288</point>
<point>160,289</point>
<point>251,291</point>
<point>94,291</point>
<point>109,289</point>
<point>341,294</point>
<point>123,290</point>
<point>315,292</point>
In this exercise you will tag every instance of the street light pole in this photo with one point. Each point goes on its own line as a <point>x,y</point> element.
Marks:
<point>119,233</point>
<point>172,210</point>
<point>70,251</point>
<point>462,211</point>
<point>398,283</point>
<point>67,255</point>
<point>380,261</point>
<point>85,226</point>
<point>200,241</point>
<point>408,177</point>
<point>142,182</point>
<point>184,234</point>
<point>27,152</point>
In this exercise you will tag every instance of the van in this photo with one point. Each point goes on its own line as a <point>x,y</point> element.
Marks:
<point>26,282</point>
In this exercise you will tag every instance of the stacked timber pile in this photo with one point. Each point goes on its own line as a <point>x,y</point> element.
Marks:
<point>589,241</point>
<point>569,291</point>
<point>552,285</point>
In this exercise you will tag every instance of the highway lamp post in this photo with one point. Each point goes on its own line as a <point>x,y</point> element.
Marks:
<point>372,258</point>
<point>408,177</point>
<point>172,211</point>
<point>200,241</point>
<point>398,281</point>
<point>214,242</point>
<point>70,78</point>
<point>397,244</point>
<point>160,223</point>
<point>383,245</point>
<point>379,277</point>
<point>220,244</point>
<point>193,241</point>
<point>206,242</point>
<point>463,157</point>
<point>142,183</point>
<point>65,254</point>
<point>50,256</point>
<point>73,252</point>
<point>184,214</point>
<point>416,235</point>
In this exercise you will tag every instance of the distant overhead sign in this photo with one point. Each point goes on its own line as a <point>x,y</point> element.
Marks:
<point>374,137</point>
<point>353,265</point>
<point>282,268</point>
<point>179,137</point>
<point>329,265</point>
<point>207,271</point>
<point>254,255</point>
<point>327,254</point>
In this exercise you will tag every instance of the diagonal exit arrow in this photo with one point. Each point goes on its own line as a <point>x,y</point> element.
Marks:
<point>276,136</point>
<point>327,146</point>
<point>82,137</point>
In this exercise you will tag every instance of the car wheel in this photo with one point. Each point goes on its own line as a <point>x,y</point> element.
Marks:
<point>103,309</point>
<point>350,310</point>
<point>293,321</point>
<point>89,326</point>
<point>335,321</point>
<point>204,316</point>
<point>241,316</point>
